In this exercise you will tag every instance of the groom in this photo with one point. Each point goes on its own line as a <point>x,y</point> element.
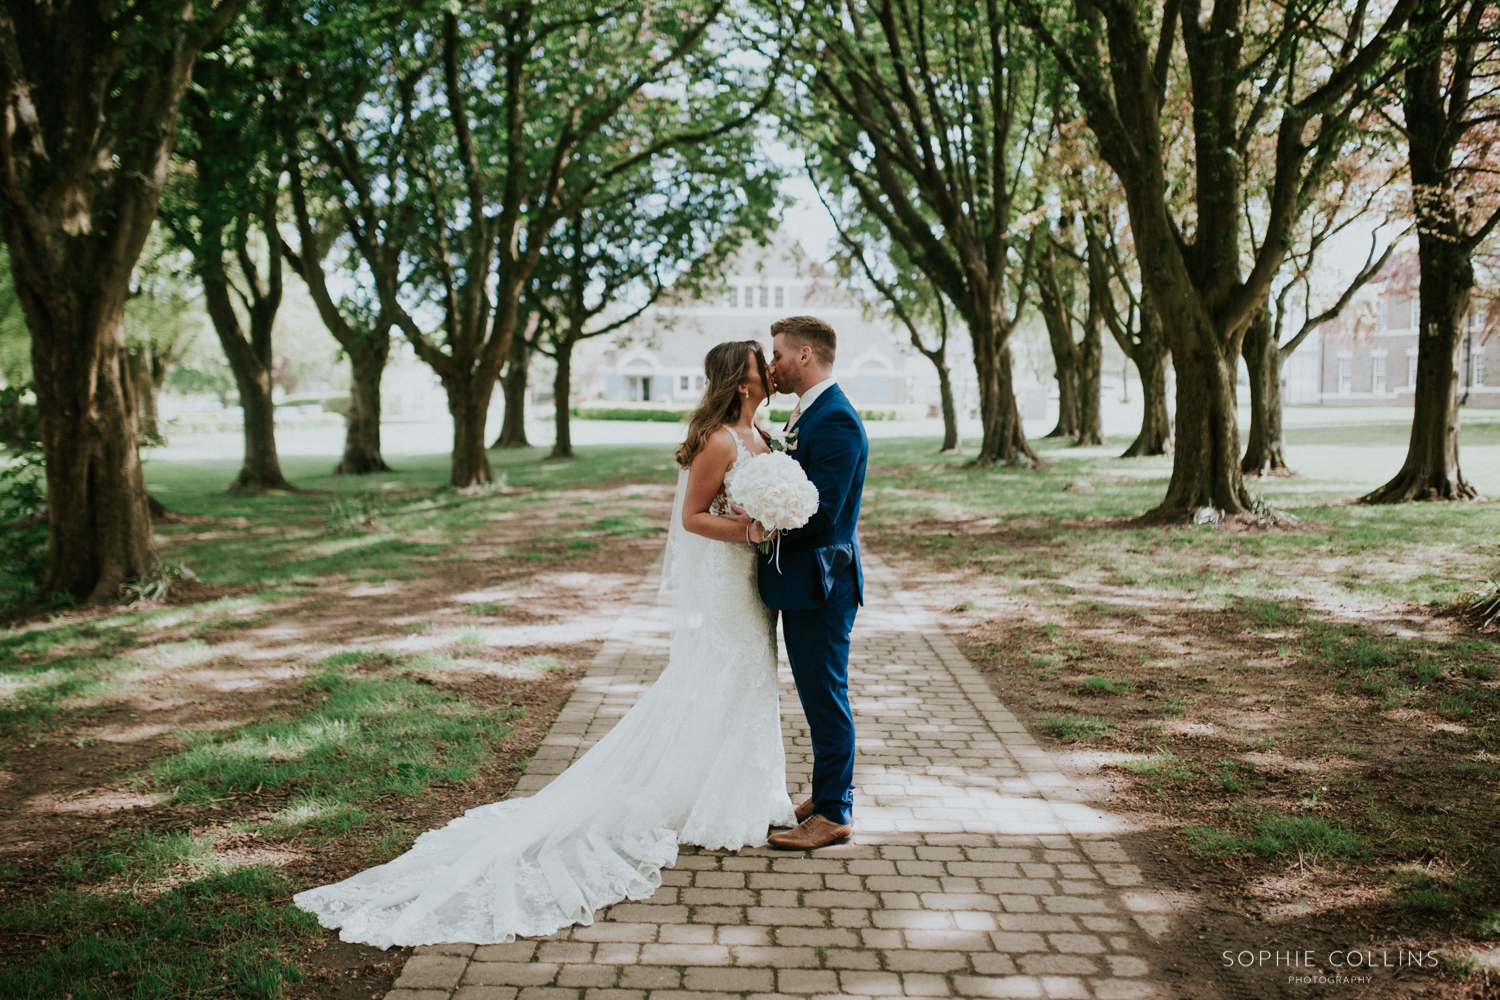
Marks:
<point>817,583</point>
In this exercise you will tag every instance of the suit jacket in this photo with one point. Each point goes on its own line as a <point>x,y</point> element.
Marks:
<point>832,448</point>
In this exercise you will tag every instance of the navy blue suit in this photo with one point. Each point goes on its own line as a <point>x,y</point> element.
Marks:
<point>819,587</point>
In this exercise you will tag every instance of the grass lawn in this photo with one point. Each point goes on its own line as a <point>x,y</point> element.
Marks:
<point>354,664</point>
<point>346,668</point>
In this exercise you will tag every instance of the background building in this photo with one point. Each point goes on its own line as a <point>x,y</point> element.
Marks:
<point>1375,363</point>
<point>659,357</point>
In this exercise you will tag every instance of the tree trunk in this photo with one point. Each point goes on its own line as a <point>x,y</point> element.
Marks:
<point>251,361</point>
<point>1090,384</point>
<point>950,409</point>
<point>469,403</point>
<point>261,470</point>
<point>1206,463</point>
<point>1010,436</point>
<point>1155,437</point>
<point>139,363</point>
<point>1065,354</point>
<point>1264,450</point>
<point>91,94</point>
<point>1067,397</point>
<point>1431,470</point>
<point>518,370</point>
<point>1149,354</point>
<point>99,523</point>
<point>1438,117</point>
<point>362,431</point>
<point>161,366</point>
<point>1004,438</point>
<point>988,383</point>
<point>368,348</point>
<point>562,388</point>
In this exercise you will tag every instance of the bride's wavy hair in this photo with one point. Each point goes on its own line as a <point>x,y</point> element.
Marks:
<point>726,367</point>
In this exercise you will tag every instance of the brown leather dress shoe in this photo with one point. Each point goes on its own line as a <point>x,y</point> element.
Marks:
<point>814,832</point>
<point>804,810</point>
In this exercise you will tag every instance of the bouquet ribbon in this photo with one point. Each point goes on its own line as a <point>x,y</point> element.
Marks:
<point>766,546</point>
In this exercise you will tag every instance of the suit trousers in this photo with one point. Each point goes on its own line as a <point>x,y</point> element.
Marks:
<point>817,645</point>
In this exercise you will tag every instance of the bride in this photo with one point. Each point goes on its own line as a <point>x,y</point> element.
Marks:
<point>698,760</point>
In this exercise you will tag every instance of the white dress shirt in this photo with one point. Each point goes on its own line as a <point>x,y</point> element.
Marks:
<point>807,398</point>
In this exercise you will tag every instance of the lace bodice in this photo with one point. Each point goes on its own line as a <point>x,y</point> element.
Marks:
<point>742,455</point>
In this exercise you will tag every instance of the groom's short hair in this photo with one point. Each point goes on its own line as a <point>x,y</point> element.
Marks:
<point>811,331</point>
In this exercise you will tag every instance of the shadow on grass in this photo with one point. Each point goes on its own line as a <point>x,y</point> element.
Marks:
<point>361,736</point>
<point>230,932</point>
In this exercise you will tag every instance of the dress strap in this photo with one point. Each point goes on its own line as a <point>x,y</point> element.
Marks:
<point>739,445</point>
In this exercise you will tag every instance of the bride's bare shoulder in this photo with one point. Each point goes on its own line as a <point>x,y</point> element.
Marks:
<point>717,447</point>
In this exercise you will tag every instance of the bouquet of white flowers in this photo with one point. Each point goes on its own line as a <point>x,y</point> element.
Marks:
<point>773,489</point>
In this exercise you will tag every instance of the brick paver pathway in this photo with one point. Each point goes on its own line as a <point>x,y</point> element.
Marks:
<point>977,869</point>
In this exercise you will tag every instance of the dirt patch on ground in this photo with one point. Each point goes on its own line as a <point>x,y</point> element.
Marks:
<point>513,620</point>
<point>1195,724</point>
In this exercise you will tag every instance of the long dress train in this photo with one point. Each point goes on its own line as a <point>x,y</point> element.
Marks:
<point>698,760</point>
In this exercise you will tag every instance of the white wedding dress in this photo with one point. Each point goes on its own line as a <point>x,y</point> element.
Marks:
<point>698,760</point>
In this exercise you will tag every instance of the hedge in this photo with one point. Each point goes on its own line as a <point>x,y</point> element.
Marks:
<point>630,413</point>
<point>681,416</point>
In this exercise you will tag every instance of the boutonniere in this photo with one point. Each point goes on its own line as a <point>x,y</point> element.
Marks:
<point>783,440</point>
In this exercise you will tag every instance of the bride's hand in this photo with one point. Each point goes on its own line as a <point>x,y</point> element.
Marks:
<point>756,532</point>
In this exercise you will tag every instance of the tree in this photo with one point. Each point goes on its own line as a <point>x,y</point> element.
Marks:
<point>664,230</point>
<point>1089,198</point>
<point>91,95</point>
<point>581,275</point>
<point>869,254</point>
<point>1079,364</point>
<point>1449,106</point>
<point>362,329</point>
<point>1056,317</point>
<point>351,171</point>
<point>159,328</point>
<point>930,116</point>
<point>1265,351</point>
<point>1137,331</point>
<point>515,382</point>
<point>225,210</point>
<point>508,145</point>
<point>1298,73</point>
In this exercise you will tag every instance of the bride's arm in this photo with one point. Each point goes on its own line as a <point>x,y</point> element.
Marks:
<point>705,476</point>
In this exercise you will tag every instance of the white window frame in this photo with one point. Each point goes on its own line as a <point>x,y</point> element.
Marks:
<point>1346,376</point>
<point>1377,375</point>
<point>1388,307</point>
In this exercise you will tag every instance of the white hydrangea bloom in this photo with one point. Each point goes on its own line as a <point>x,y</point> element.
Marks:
<point>773,489</point>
